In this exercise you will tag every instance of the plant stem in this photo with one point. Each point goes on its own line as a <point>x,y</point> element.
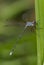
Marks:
<point>40,32</point>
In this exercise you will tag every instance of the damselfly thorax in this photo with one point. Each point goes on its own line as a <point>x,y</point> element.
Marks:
<point>31,26</point>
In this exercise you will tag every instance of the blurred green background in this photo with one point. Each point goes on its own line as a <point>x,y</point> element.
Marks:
<point>13,16</point>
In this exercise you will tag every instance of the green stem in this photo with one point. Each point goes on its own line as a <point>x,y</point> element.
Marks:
<point>40,32</point>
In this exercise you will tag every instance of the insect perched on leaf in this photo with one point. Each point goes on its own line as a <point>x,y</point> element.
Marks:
<point>28,24</point>
<point>31,25</point>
